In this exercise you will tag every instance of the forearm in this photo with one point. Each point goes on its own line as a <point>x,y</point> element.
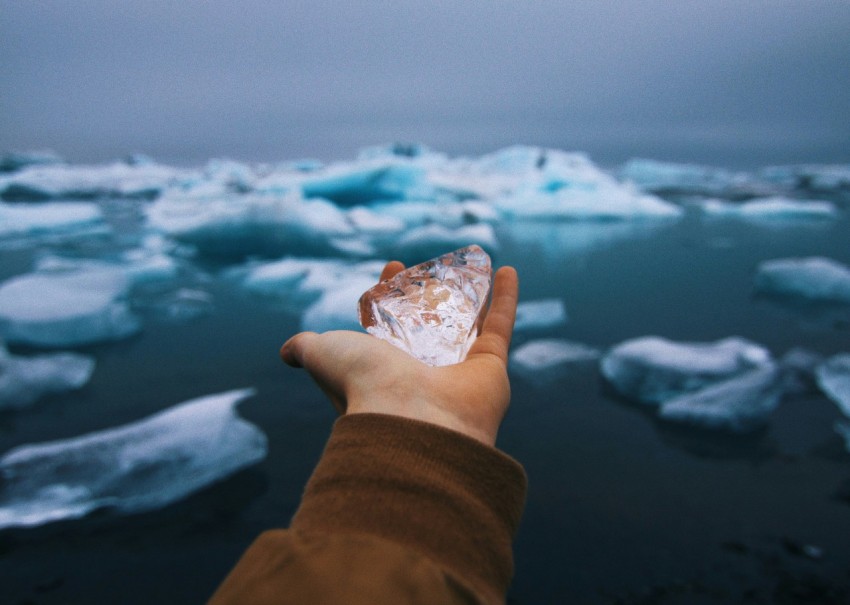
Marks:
<point>429,504</point>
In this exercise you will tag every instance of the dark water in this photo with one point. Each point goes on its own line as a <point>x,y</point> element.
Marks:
<point>621,508</point>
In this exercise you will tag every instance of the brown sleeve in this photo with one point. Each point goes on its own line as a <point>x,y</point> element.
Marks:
<point>397,511</point>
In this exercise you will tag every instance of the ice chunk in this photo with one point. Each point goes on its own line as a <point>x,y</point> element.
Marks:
<point>653,369</point>
<point>772,209</point>
<point>670,177</point>
<point>833,377</point>
<point>66,309</point>
<point>546,354</point>
<point>25,380</point>
<point>546,313</point>
<point>120,179</point>
<point>740,405</point>
<point>48,217</point>
<point>814,278</point>
<point>605,202</point>
<point>822,178</point>
<point>843,429</point>
<point>430,310</point>
<point>133,468</point>
<point>363,183</point>
<point>246,225</point>
<point>16,160</point>
<point>428,241</point>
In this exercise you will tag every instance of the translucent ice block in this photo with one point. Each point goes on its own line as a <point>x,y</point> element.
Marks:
<point>431,310</point>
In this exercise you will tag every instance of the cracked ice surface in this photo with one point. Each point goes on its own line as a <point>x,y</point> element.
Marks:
<point>430,310</point>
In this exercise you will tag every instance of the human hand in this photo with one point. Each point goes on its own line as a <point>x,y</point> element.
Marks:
<point>363,374</point>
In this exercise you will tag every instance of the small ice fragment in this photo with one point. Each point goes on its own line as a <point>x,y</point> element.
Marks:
<point>548,353</point>
<point>813,278</point>
<point>25,380</point>
<point>431,310</point>
<point>545,313</point>
<point>833,377</point>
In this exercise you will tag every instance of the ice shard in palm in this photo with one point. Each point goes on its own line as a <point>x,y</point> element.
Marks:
<point>431,310</point>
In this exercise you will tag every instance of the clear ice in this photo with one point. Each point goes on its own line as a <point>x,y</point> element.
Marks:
<point>431,310</point>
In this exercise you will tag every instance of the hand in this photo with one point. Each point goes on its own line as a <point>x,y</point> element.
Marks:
<point>364,374</point>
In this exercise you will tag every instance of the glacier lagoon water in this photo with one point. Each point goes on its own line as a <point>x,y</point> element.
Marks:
<point>621,505</point>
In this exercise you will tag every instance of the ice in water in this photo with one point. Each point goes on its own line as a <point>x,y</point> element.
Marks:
<point>431,310</point>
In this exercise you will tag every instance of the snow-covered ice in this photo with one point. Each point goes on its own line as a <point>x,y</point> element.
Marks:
<point>740,405</point>
<point>548,354</point>
<point>653,369</point>
<point>136,467</point>
<point>25,380</point>
<point>814,278</point>
<point>48,217</point>
<point>544,313</point>
<point>66,309</point>
<point>833,377</point>
<point>771,209</point>
<point>138,179</point>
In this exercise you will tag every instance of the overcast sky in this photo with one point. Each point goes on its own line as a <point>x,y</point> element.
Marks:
<point>735,83</point>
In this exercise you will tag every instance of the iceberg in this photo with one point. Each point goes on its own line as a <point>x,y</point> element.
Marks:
<point>833,377</point>
<point>137,467</point>
<point>675,178</point>
<point>246,225</point>
<point>48,217</point>
<point>363,183</point>
<point>603,203</point>
<point>66,309</point>
<point>652,370</point>
<point>739,405</point>
<point>432,240</point>
<point>25,380</point>
<point>545,313</point>
<point>547,354</point>
<point>141,180</point>
<point>771,209</point>
<point>14,161</point>
<point>813,278</point>
<point>827,178</point>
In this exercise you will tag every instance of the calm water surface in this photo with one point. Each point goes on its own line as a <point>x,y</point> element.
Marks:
<point>621,508</point>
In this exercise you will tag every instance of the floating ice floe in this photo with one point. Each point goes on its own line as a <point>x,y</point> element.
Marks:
<point>48,217</point>
<point>547,356</point>
<point>368,182</point>
<point>142,466</point>
<point>653,369</point>
<point>16,160</point>
<point>430,241</point>
<point>833,377</point>
<point>606,202</point>
<point>545,313</point>
<point>813,278</point>
<point>246,225</point>
<point>143,179</point>
<point>820,178</point>
<point>25,380</point>
<point>739,405</point>
<point>671,177</point>
<point>325,291</point>
<point>771,209</point>
<point>69,302</point>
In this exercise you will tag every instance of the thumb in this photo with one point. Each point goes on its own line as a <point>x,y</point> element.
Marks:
<point>292,351</point>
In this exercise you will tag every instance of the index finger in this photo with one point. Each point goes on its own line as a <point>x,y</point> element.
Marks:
<point>495,337</point>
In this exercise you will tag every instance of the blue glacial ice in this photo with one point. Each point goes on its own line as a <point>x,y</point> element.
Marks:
<point>652,370</point>
<point>324,291</point>
<point>544,358</point>
<point>246,225</point>
<point>692,179</point>
<point>771,209</point>
<point>430,241</point>
<point>70,301</point>
<point>544,313</point>
<point>48,218</point>
<point>813,278</point>
<point>833,377</point>
<point>25,380</point>
<point>16,160</point>
<point>365,183</point>
<point>145,180</point>
<point>137,467</point>
<point>740,404</point>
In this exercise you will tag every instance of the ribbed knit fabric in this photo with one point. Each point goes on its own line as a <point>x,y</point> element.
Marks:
<point>397,511</point>
<point>434,490</point>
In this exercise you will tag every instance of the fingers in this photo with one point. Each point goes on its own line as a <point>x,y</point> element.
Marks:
<point>495,338</point>
<point>390,269</point>
<point>292,351</point>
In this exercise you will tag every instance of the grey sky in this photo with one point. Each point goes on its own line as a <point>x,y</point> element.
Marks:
<point>737,82</point>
